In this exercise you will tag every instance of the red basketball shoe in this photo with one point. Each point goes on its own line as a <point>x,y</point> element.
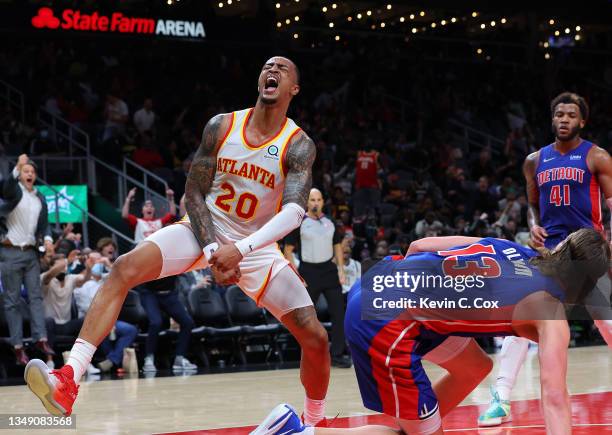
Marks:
<point>55,388</point>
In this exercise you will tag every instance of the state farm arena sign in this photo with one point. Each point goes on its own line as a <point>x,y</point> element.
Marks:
<point>116,22</point>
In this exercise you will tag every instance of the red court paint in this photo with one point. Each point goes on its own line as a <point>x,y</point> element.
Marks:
<point>591,415</point>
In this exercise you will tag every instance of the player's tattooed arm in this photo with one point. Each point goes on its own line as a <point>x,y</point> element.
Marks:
<point>298,160</point>
<point>200,178</point>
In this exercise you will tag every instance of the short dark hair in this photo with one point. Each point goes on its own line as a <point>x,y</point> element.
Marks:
<point>570,98</point>
<point>298,75</point>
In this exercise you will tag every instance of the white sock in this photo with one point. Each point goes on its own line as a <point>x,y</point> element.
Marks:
<point>308,431</point>
<point>511,359</point>
<point>80,356</point>
<point>314,411</point>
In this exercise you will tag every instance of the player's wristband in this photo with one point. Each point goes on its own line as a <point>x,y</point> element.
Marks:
<point>244,246</point>
<point>210,249</point>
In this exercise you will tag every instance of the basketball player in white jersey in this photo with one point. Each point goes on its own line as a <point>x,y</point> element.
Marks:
<point>247,188</point>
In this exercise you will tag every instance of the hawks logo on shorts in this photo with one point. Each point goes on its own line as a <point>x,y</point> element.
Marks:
<point>249,180</point>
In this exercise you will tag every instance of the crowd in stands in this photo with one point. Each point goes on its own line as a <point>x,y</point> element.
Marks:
<point>389,176</point>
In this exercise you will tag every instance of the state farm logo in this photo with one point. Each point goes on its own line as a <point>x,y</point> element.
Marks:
<point>45,18</point>
<point>116,22</point>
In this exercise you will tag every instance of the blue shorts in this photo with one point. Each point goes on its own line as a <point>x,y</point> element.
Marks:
<point>552,241</point>
<point>387,356</point>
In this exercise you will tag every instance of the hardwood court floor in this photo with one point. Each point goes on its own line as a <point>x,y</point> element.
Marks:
<point>233,400</point>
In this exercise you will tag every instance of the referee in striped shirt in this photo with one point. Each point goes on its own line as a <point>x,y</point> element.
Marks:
<point>318,244</point>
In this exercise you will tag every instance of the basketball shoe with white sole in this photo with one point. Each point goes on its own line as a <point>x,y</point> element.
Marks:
<point>497,413</point>
<point>56,389</point>
<point>283,420</point>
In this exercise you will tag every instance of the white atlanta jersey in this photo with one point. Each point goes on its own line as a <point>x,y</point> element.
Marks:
<point>246,193</point>
<point>248,186</point>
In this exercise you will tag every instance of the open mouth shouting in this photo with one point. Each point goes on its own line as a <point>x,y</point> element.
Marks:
<point>271,84</point>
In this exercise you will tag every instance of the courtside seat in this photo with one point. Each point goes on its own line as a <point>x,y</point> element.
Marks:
<point>323,312</point>
<point>213,324</point>
<point>65,342</point>
<point>132,311</point>
<point>210,314</point>
<point>243,311</point>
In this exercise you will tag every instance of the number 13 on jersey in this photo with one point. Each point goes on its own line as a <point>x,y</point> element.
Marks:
<point>245,205</point>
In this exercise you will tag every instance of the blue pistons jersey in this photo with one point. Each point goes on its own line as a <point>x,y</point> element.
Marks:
<point>570,196</point>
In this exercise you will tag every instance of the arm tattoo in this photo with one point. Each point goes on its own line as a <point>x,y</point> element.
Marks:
<point>299,159</point>
<point>199,181</point>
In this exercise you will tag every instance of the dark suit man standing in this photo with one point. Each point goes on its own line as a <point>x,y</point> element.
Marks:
<point>23,224</point>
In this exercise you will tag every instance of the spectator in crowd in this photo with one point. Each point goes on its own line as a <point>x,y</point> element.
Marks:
<point>57,288</point>
<point>122,335</point>
<point>156,296</point>
<point>481,199</point>
<point>352,269</point>
<point>380,251</point>
<point>23,225</point>
<point>116,116</point>
<point>107,248</point>
<point>192,280</point>
<point>482,166</point>
<point>510,206</point>
<point>428,226</point>
<point>162,294</point>
<point>319,245</point>
<point>367,184</point>
<point>144,118</point>
<point>69,234</point>
<point>147,224</point>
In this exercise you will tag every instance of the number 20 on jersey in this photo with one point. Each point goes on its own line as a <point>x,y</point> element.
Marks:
<point>244,207</point>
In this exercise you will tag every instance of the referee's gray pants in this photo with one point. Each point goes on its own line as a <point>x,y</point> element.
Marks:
<point>19,267</point>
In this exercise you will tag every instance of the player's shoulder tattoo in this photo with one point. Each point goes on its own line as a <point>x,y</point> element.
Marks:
<point>298,160</point>
<point>213,132</point>
<point>204,160</point>
<point>301,153</point>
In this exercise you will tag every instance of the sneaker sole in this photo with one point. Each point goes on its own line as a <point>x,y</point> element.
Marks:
<point>37,378</point>
<point>274,415</point>
<point>494,421</point>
